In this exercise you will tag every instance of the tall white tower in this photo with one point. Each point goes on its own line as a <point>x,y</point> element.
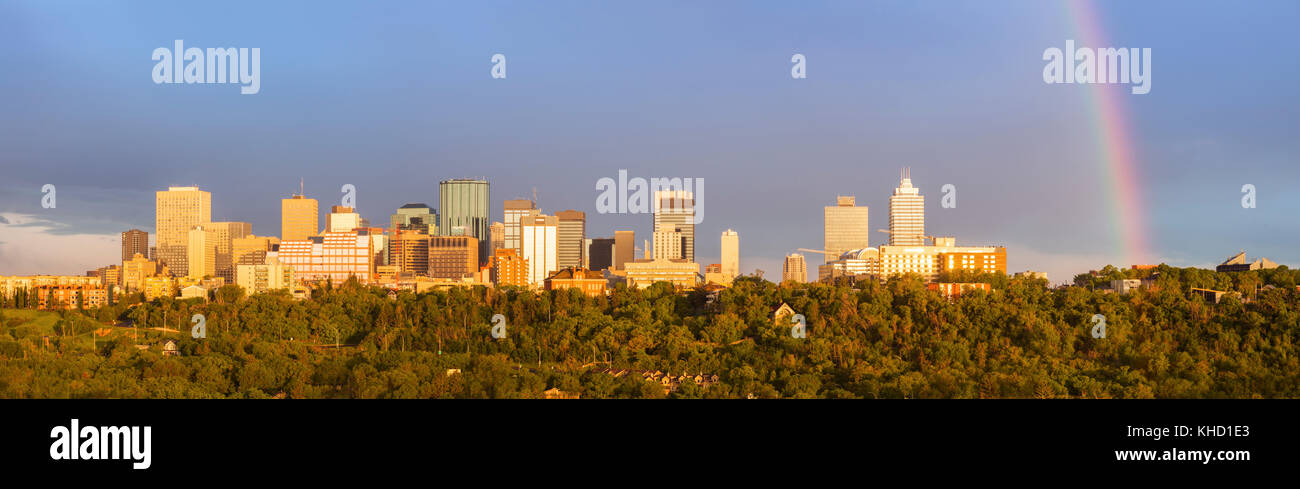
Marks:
<point>538,236</point>
<point>730,253</point>
<point>906,213</point>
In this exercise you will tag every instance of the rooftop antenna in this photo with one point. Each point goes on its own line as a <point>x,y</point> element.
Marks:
<point>534,196</point>
<point>300,187</point>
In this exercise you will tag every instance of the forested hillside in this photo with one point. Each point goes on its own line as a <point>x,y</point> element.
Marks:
<point>871,340</point>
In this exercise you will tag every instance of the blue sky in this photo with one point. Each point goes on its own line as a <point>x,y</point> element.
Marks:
<point>394,97</point>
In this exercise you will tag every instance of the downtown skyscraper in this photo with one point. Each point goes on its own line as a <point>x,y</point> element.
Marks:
<point>177,211</point>
<point>846,227</point>
<point>415,217</point>
<point>794,269</point>
<point>675,219</point>
<point>465,207</point>
<point>513,211</point>
<point>299,217</point>
<point>539,235</point>
<point>221,236</point>
<point>135,241</point>
<point>730,248</point>
<point>624,248</point>
<point>906,213</point>
<point>571,239</point>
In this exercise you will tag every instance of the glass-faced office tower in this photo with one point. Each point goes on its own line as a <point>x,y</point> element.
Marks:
<point>465,209</point>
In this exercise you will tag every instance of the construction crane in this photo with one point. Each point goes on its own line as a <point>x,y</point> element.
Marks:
<point>806,250</point>
<point>923,238</point>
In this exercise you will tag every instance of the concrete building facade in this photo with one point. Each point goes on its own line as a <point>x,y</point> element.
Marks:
<point>453,257</point>
<point>299,218</point>
<point>730,248</point>
<point>571,237</point>
<point>177,211</point>
<point>846,227</point>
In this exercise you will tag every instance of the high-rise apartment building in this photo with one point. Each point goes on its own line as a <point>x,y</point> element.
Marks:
<point>794,269</point>
<point>508,268</point>
<point>177,211</point>
<point>134,241</point>
<point>299,218</point>
<point>539,237</point>
<point>465,210</point>
<point>415,217</point>
<point>453,257</point>
<point>906,214</point>
<point>409,252</point>
<point>514,210</point>
<point>846,227</point>
<point>600,254</point>
<point>730,253</point>
<point>674,211</point>
<point>201,253</point>
<point>571,238</point>
<point>223,235</point>
<point>624,248</point>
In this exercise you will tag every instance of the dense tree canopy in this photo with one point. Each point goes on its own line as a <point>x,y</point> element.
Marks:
<point>869,340</point>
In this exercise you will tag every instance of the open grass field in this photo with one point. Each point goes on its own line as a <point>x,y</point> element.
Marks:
<point>28,321</point>
<point>32,324</point>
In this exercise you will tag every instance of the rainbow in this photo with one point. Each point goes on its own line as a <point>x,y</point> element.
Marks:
<point>1117,148</point>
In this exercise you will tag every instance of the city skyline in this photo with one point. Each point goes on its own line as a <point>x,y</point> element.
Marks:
<point>1024,156</point>
<point>215,238</point>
